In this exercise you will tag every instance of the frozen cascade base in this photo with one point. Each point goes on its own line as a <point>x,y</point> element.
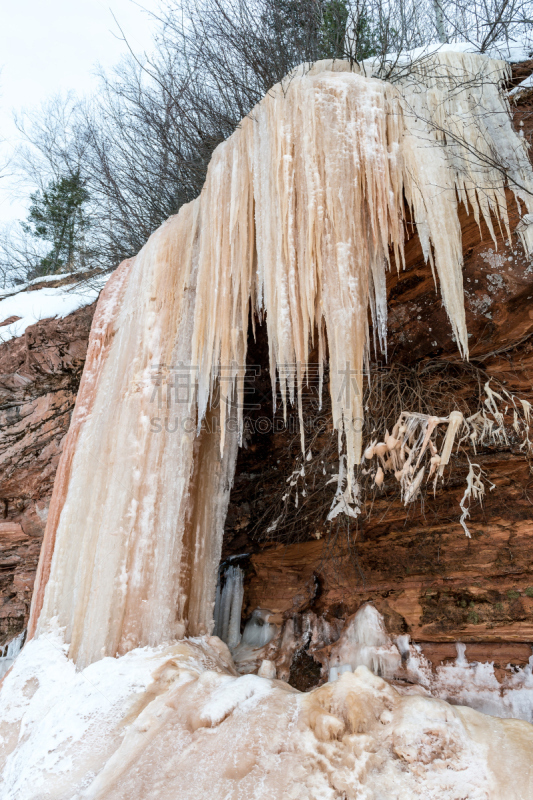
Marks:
<point>178,721</point>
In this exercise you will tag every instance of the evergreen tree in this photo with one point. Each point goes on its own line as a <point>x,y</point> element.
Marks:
<point>304,30</point>
<point>332,30</point>
<point>57,216</point>
<point>365,38</point>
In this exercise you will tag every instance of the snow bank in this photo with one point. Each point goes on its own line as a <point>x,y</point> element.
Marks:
<point>513,52</point>
<point>15,288</point>
<point>45,303</point>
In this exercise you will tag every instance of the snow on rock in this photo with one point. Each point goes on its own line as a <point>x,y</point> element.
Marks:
<point>364,641</point>
<point>176,721</point>
<point>32,306</point>
<point>505,50</point>
<point>15,288</point>
<point>527,83</point>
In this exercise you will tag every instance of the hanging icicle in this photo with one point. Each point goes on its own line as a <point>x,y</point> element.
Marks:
<point>10,651</point>
<point>228,606</point>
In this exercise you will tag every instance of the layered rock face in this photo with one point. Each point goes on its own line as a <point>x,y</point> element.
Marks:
<point>415,565</point>
<point>39,377</point>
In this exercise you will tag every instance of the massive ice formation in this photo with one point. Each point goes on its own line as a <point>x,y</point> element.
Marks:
<point>303,210</point>
<point>301,213</point>
<point>132,547</point>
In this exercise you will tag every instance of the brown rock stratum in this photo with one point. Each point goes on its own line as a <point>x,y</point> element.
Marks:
<point>39,378</point>
<point>416,565</point>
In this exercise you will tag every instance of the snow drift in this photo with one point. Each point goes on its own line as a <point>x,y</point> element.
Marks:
<point>28,307</point>
<point>176,721</point>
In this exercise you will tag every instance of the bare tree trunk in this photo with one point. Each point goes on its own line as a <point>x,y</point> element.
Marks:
<point>439,21</point>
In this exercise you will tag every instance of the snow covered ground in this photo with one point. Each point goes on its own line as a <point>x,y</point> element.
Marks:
<point>34,305</point>
<point>177,721</point>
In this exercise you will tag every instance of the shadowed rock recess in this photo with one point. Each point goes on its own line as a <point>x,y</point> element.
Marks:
<point>304,595</point>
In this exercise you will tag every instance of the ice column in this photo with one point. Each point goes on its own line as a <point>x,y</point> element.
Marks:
<point>10,652</point>
<point>228,607</point>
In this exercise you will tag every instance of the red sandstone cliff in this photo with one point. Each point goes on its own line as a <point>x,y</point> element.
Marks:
<point>39,377</point>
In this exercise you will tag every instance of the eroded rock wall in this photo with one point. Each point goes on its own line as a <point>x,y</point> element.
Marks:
<point>39,378</point>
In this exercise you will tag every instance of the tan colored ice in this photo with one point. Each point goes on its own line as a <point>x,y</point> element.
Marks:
<point>177,722</point>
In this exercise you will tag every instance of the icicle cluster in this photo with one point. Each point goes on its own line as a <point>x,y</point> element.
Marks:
<point>410,452</point>
<point>458,146</point>
<point>326,159</point>
<point>228,607</point>
<point>10,651</point>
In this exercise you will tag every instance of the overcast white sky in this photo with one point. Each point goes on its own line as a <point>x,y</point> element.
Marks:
<point>48,46</point>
